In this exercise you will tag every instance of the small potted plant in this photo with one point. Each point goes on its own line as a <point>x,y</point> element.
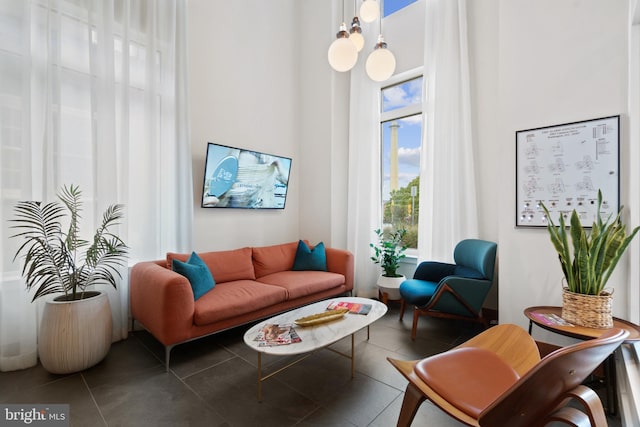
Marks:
<point>75,330</point>
<point>388,252</point>
<point>587,261</point>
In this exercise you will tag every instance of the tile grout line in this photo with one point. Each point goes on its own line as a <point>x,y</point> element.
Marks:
<point>93,399</point>
<point>182,380</point>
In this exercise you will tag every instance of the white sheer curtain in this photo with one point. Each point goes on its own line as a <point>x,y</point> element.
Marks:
<point>447,179</point>
<point>364,173</point>
<point>92,93</point>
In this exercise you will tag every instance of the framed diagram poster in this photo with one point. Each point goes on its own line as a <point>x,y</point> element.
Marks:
<point>563,167</point>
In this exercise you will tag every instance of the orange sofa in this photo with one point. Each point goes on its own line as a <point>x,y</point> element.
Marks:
<point>251,283</point>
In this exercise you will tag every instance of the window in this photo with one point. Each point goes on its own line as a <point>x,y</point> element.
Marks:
<point>68,76</point>
<point>391,6</point>
<point>401,134</point>
<point>50,88</point>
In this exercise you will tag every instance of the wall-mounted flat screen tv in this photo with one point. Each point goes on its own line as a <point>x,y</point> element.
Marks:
<point>239,178</point>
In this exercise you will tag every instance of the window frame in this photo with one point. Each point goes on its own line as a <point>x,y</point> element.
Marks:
<point>397,114</point>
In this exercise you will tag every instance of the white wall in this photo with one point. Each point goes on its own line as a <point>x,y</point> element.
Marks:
<point>323,137</point>
<point>404,33</point>
<point>559,62</point>
<point>243,82</point>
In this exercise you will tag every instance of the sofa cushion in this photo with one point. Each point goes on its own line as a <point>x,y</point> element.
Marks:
<point>197,272</point>
<point>271,259</point>
<point>417,292</point>
<point>225,266</point>
<point>310,259</point>
<point>230,299</point>
<point>302,283</point>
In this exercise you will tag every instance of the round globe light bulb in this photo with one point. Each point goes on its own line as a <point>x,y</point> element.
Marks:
<point>357,39</point>
<point>380,64</point>
<point>342,54</point>
<point>369,10</point>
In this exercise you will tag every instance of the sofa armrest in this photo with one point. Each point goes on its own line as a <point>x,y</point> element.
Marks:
<point>162,300</point>
<point>341,261</point>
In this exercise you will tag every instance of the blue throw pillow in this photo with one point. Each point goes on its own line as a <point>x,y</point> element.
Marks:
<point>197,272</point>
<point>307,259</point>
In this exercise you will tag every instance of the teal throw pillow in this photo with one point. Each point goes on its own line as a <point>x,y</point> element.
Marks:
<point>197,272</point>
<point>307,259</point>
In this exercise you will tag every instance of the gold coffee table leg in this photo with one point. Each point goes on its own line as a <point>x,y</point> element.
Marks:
<point>259,377</point>
<point>353,359</point>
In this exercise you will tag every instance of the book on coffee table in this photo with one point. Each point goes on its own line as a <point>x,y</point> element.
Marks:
<point>273,334</point>
<point>353,307</point>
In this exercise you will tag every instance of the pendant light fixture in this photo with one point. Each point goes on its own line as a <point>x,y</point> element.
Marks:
<point>355,32</point>
<point>369,10</point>
<point>381,63</point>
<point>343,53</point>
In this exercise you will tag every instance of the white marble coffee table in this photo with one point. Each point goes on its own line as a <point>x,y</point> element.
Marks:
<point>314,337</point>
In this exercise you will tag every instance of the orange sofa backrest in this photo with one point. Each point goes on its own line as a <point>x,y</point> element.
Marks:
<point>225,266</point>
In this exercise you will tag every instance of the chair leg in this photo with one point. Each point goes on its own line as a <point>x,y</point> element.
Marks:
<point>591,403</point>
<point>414,328</point>
<point>571,417</point>
<point>413,398</point>
<point>402,305</point>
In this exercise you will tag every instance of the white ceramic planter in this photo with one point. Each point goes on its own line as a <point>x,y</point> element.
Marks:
<point>74,335</point>
<point>390,286</point>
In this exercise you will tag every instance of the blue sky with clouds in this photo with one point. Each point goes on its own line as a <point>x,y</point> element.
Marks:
<point>409,133</point>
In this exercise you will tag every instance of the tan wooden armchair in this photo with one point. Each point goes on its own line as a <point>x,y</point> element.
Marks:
<point>497,379</point>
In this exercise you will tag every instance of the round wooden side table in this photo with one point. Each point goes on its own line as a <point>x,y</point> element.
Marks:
<point>545,317</point>
<point>550,319</point>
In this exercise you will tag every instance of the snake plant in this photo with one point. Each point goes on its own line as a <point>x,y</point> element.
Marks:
<point>588,261</point>
<point>53,262</point>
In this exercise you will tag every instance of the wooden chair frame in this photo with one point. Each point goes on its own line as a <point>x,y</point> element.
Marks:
<point>427,310</point>
<point>514,408</point>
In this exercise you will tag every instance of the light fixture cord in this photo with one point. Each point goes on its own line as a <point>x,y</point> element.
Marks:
<point>381,11</point>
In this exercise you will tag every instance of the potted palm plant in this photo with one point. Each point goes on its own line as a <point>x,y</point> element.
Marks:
<point>388,252</point>
<point>587,261</point>
<point>75,330</point>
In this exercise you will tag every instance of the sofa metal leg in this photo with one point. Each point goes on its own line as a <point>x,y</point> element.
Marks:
<point>167,356</point>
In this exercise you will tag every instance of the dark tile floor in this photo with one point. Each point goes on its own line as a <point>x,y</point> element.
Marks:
<point>212,382</point>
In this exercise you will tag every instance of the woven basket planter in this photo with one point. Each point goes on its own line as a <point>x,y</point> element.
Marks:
<point>591,311</point>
